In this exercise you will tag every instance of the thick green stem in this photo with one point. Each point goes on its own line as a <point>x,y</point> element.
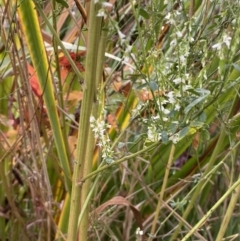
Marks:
<point>83,227</point>
<point>83,158</point>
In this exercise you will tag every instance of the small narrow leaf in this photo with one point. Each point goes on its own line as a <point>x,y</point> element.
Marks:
<point>237,67</point>
<point>184,132</point>
<point>144,13</point>
<point>149,44</point>
<point>197,101</point>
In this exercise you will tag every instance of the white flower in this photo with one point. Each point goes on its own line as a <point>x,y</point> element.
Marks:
<point>92,119</point>
<point>178,81</point>
<point>177,107</point>
<point>182,58</point>
<point>101,13</point>
<point>168,16</point>
<point>170,94</point>
<point>155,117</point>
<point>179,34</point>
<point>217,46</point>
<point>165,111</point>
<point>99,128</point>
<point>139,232</point>
<point>121,35</point>
<point>152,134</point>
<point>227,40</point>
<point>99,144</point>
<point>171,97</point>
<point>191,39</point>
<point>171,100</point>
<point>187,87</point>
<point>177,12</point>
<point>174,138</point>
<point>170,19</point>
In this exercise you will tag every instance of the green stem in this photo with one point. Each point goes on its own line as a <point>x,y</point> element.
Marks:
<point>145,150</point>
<point>161,196</point>
<point>83,158</point>
<point>84,221</point>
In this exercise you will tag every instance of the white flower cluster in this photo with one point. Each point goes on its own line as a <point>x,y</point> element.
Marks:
<point>99,129</point>
<point>139,232</point>
<point>153,133</point>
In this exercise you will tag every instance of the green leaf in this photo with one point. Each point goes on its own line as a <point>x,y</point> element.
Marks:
<point>205,94</point>
<point>144,13</point>
<point>237,67</point>
<point>149,44</point>
<point>63,3</point>
<point>173,127</point>
<point>164,136</point>
<point>197,124</point>
<point>153,85</point>
<point>183,132</point>
<point>202,117</point>
<point>205,135</point>
<point>142,86</point>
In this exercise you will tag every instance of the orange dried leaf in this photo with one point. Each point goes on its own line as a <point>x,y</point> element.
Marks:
<point>111,119</point>
<point>145,95</point>
<point>125,88</point>
<point>74,95</point>
<point>77,58</point>
<point>66,66</point>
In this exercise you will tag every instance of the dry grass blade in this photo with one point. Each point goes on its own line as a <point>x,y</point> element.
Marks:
<point>121,201</point>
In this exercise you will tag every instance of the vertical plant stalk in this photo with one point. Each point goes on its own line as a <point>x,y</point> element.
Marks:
<point>229,213</point>
<point>82,162</point>
<point>161,196</point>
<point>31,30</point>
<point>84,223</point>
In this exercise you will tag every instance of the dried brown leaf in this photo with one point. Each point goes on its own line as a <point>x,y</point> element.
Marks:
<point>118,200</point>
